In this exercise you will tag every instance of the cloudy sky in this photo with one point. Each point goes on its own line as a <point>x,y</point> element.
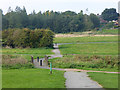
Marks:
<point>94,6</point>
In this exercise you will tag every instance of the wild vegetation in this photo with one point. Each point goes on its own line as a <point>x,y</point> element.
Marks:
<point>15,62</point>
<point>89,62</point>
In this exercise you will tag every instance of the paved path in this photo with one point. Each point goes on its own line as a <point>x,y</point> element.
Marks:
<point>79,80</point>
<point>56,51</point>
<point>74,79</point>
<point>44,65</point>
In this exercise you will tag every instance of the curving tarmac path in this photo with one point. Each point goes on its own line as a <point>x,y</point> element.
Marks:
<point>74,79</point>
<point>79,80</point>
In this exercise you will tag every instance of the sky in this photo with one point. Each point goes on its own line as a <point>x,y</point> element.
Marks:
<point>94,6</point>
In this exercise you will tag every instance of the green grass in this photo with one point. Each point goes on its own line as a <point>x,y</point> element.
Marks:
<point>107,80</point>
<point>85,39</point>
<point>90,49</point>
<point>32,78</point>
<point>103,31</point>
<point>107,31</point>
<point>27,51</point>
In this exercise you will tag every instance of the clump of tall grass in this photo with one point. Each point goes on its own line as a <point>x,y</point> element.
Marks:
<point>15,62</point>
<point>80,61</point>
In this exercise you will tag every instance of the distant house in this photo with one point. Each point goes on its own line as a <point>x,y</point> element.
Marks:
<point>115,22</point>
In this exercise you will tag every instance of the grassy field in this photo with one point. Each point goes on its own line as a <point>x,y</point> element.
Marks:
<point>90,49</point>
<point>85,39</point>
<point>107,80</point>
<point>32,78</point>
<point>27,51</point>
<point>105,31</point>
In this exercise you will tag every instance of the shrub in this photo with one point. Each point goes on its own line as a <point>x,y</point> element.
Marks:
<point>27,38</point>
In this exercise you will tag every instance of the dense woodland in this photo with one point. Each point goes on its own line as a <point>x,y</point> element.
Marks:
<point>58,22</point>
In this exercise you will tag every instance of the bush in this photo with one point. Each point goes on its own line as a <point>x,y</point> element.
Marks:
<point>27,38</point>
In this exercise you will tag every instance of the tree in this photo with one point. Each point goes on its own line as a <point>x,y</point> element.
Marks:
<point>58,22</point>
<point>69,13</point>
<point>88,25</point>
<point>95,20</point>
<point>110,14</point>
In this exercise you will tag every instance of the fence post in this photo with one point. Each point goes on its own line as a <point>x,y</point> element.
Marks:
<point>46,59</point>
<point>40,62</point>
<point>32,59</point>
<point>37,59</point>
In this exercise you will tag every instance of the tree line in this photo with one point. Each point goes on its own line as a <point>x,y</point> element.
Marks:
<point>16,38</point>
<point>58,22</point>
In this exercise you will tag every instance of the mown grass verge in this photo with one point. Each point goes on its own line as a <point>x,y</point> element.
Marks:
<point>107,80</point>
<point>32,78</point>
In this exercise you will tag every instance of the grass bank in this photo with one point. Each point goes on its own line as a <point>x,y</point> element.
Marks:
<point>107,80</point>
<point>32,78</point>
